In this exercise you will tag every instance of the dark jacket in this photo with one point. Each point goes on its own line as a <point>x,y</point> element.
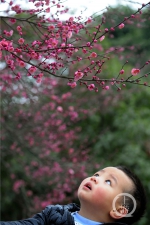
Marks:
<point>52,215</point>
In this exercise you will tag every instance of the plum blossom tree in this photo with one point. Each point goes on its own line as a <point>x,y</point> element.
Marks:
<point>41,147</point>
<point>36,43</point>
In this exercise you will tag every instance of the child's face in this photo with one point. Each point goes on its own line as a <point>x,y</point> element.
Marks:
<point>97,192</point>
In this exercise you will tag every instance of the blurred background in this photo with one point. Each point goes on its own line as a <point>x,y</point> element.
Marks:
<point>53,136</point>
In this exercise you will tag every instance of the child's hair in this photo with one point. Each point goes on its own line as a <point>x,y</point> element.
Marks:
<point>138,193</point>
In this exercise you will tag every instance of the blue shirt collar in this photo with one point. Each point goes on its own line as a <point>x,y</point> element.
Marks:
<point>83,220</point>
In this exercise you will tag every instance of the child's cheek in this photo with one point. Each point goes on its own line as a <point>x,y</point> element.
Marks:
<point>101,194</point>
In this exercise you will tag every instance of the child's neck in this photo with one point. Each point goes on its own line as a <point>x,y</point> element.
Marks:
<point>91,214</point>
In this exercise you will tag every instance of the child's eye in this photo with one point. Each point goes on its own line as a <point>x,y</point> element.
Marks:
<point>108,182</point>
<point>96,175</point>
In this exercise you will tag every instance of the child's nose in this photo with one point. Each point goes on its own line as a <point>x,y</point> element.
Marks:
<point>93,178</point>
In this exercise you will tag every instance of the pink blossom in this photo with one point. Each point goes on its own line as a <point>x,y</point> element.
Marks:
<point>21,64</point>
<point>69,35</point>
<point>19,28</point>
<point>135,71</point>
<point>54,43</point>
<point>59,24</point>
<point>63,45</point>
<point>73,115</point>
<point>16,8</point>
<point>88,44</point>
<point>72,84</point>
<point>48,10</point>
<point>89,20</point>
<point>4,43</point>
<point>59,109</point>
<point>106,87</point>
<point>112,29</point>
<point>121,26</point>
<point>121,72</point>
<point>13,20</point>
<point>33,55</point>
<point>29,193</point>
<point>66,28</point>
<point>47,2</point>
<point>38,4</point>
<point>84,50</point>
<point>93,55</point>
<point>18,76</point>
<point>10,62</point>
<point>78,75</point>
<point>51,27</point>
<point>91,87</point>
<point>58,5</point>
<point>40,75</point>
<point>21,41</point>
<point>17,185</point>
<point>10,49</point>
<point>132,16</point>
<point>44,204</point>
<point>102,38</point>
<point>71,19</point>
<point>32,69</point>
<point>39,80</point>
<point>9,34</point>
<point>71,171</point>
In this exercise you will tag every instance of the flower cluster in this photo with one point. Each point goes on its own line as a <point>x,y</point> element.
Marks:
<point>39,44</point>
<point>44,151</point>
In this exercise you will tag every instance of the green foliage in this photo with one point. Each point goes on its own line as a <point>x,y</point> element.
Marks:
<point>133,36</point>
<point>122,136</point>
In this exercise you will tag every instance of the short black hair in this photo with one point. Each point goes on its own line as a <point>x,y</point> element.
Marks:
<point>139,195</point>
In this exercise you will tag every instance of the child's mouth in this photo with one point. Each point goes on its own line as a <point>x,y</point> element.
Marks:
<point>88,186</point>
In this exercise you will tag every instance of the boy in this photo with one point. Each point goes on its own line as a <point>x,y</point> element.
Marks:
<point>100,202</point>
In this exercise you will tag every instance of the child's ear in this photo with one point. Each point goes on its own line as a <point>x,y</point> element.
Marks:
<point>118,213</point>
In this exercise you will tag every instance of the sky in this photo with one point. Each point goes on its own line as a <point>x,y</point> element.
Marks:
<point>88,7</point>
<point>91,6</point>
